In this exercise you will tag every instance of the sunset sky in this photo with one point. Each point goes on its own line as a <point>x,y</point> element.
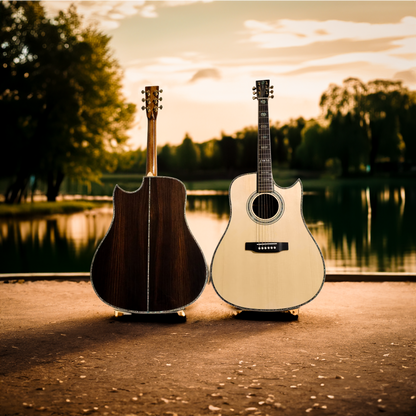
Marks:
<point>207,55</point>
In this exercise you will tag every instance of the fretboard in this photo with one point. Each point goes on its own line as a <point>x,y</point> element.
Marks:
<point>264,154</point>
<point>151,153</point>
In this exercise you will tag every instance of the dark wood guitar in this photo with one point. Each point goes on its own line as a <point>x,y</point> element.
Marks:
<point>267,260</point>
<point>149,262</point>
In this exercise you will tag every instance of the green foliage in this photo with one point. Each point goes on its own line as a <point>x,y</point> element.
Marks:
<point>371,122</point>
<point>60,98</point>
<point>348,142</point>
<point>47,208</point>
<point>292,133</point>
<point>229,151</point>
<point>248,141</point>
<point>187,155</point>
<point>210,155</point>
<point>313,152</point>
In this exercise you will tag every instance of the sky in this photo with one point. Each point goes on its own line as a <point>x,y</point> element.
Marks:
<point>207,56</point>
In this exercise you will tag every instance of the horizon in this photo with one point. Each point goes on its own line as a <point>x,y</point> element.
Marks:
<point>207,56</point>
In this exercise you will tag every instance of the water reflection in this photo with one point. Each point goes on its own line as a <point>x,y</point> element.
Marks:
<point>365,229</point>
<point>358,229</point>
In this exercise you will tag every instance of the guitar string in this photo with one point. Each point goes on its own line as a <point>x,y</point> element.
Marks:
<point>264,181</point>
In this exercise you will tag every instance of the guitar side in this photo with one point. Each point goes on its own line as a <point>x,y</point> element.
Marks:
<point>149,262</point>
<point>267,281</point>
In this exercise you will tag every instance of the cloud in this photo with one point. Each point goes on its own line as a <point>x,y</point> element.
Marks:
<point>327,68</point>
<point>336,47</point>
<point>206,73</point>
<point>287,33</point>
<point>149,11</point>
<point>408,77</point>
<point>108,14</point>
<point>174,3</point>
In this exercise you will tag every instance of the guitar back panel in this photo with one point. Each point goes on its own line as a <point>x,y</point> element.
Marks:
<point>177,267</point>
<point>118,270</point>
<point>149,260</point>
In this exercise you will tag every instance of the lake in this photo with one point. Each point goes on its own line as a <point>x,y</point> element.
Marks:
<point>358,228</point>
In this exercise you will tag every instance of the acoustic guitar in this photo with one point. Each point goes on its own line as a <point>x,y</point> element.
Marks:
<point>149,262</point>
<point>267,260</point>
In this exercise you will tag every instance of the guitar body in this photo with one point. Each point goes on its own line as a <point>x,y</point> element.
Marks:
<point>149,262</point>
<point>282,267</point>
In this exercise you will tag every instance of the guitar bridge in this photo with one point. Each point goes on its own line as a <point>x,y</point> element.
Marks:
<point>267,247</point>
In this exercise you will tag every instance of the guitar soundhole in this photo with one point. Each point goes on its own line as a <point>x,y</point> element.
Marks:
<point>265,206</point>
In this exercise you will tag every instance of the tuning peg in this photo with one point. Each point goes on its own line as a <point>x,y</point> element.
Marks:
<point>143,91</point>
<point>272,96</point>
<point>254,98</point>
<point>271,87</point>
<point>161,91</point>
<point>160,98</point>
<point>143,108</point>
<point>161,107</point>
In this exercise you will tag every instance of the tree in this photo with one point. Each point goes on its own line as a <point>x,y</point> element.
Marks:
<point>248,139</point>
<point>229,152</point>
<point>279,145</point>
<point>292,133</point>
<point>381,110</point>
<point>348,142</point>
<point>314,150</point>
<point>187,155</point>
<point>60,99</point>
<point>210,153</point>
<point>407,122</point>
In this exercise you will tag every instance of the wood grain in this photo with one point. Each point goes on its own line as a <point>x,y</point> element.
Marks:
<point>149,266</point>
<point>267,281</point>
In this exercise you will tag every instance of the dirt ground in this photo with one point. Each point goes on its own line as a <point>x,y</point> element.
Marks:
<point>351,352</point>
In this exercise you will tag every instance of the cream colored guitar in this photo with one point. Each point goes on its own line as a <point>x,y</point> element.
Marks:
<point>267,260</point>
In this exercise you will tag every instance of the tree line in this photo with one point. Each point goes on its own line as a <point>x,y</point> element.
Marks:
<point>363,125</point>
<point>63,114</point>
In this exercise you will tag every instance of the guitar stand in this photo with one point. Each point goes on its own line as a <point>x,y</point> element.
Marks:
<point>288,315</point>
<point>118,314</point>
<point>293,312</point>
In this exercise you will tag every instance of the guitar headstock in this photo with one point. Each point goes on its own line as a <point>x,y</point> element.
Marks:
<point>152,98</point>
<point>262,90</point>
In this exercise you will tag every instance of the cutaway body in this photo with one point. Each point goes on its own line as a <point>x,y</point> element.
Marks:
<point>149,262</point>
<point>270,261</point>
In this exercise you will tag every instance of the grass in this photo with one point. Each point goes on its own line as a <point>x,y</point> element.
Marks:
<point>210,185</point>
<point>308,182</point>
<point>281,178</point>
<point>47,208</point>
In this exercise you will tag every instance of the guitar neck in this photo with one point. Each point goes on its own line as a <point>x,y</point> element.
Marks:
<point>152,98</point>
<point>151,154</point>
<point>264,154</point>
